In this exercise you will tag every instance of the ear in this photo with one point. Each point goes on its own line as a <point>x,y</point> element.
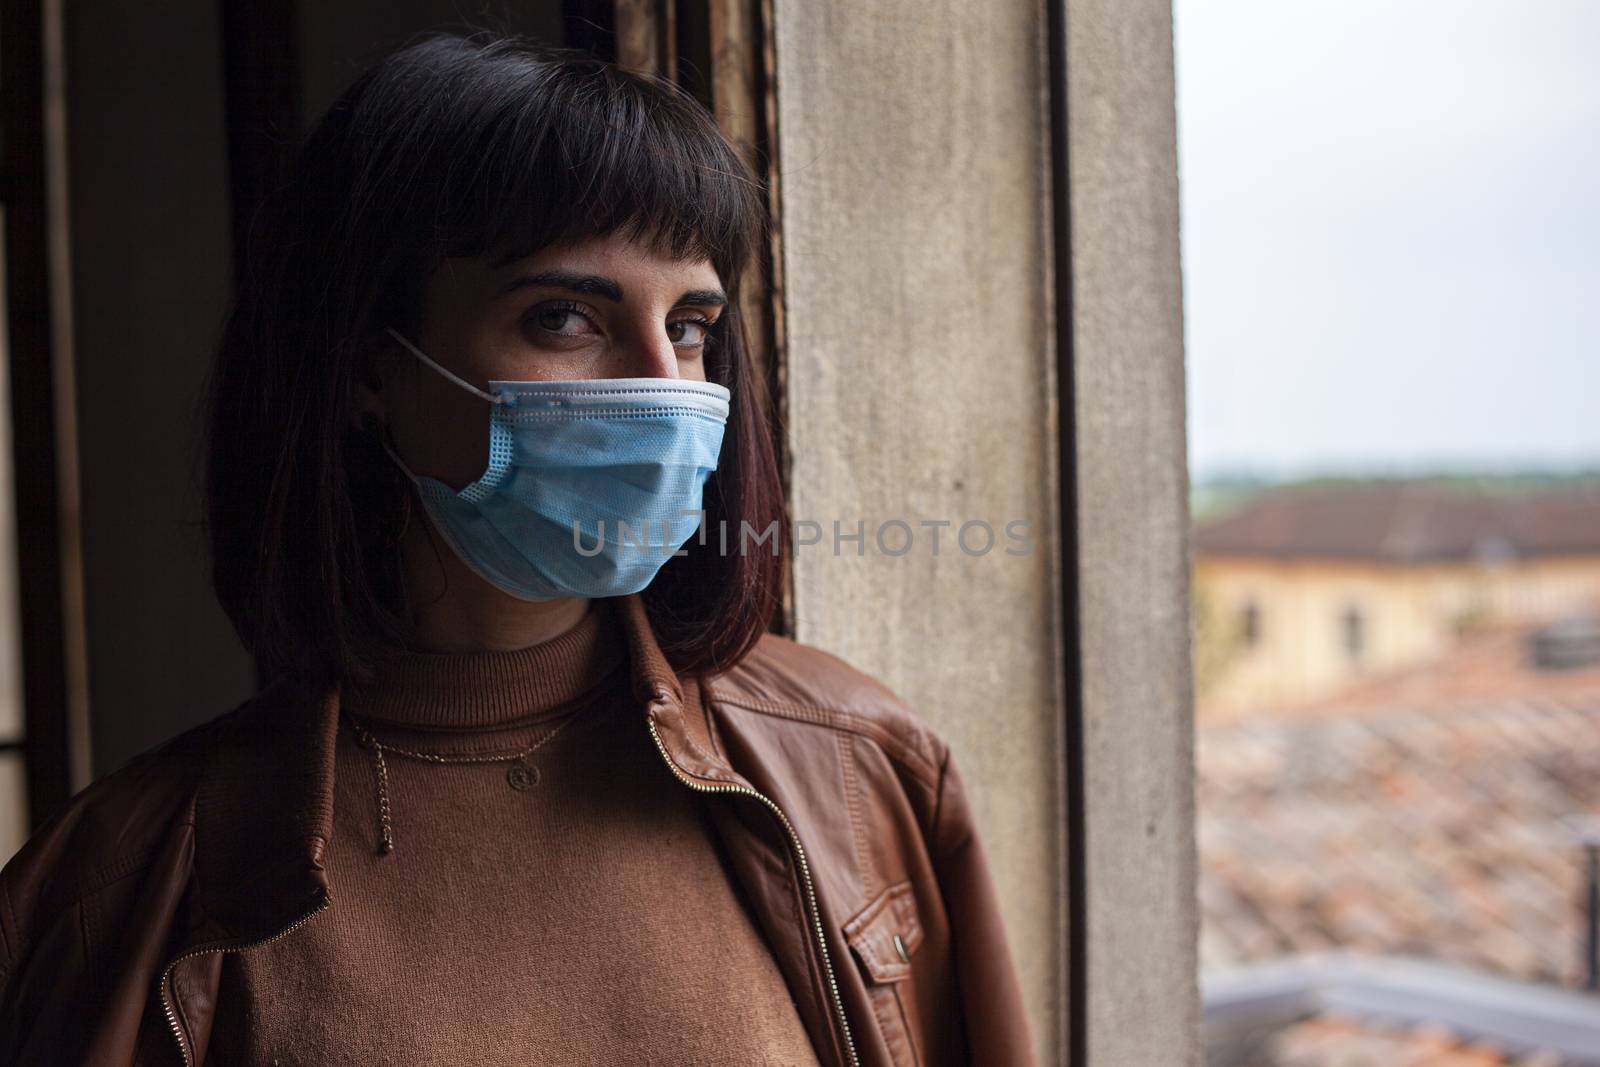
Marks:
<point>372,363</point>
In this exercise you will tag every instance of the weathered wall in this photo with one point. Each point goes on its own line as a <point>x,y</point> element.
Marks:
<point>916,240</point>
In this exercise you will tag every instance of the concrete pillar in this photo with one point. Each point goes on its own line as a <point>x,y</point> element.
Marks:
<point>1133,730</point>
<point>984,322</point>
<point>915,214</point>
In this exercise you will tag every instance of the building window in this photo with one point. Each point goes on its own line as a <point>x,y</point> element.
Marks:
<point>1250,624</point>
<point>1354,630</point>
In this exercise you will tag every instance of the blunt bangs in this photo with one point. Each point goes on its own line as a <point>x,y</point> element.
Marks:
<point>520,150</point>
<point>592,156</point>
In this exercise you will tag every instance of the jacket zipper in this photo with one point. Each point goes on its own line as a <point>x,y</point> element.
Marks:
<point>166,1003</point>
<point>805,876</point>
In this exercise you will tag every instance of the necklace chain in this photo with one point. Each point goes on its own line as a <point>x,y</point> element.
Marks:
<point>521,775</point>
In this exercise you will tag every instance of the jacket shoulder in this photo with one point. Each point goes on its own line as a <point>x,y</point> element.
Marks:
<point>111,829</point>
<point>118,815</point>
<point>790,681</point>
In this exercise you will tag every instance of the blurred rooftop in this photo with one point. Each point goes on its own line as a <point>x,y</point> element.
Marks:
<point>1438,831</point>
<point>1435,832</point>
<point>1407,522</point>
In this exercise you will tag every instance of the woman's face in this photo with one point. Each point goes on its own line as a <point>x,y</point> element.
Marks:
<point>603,307</point>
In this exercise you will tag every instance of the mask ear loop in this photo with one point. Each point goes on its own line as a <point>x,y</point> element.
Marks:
<point>493,398</point>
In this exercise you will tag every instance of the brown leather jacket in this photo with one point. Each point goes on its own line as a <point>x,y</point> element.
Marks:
<point>846,823</point>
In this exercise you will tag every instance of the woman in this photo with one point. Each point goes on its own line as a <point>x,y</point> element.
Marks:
<point>528,783</point>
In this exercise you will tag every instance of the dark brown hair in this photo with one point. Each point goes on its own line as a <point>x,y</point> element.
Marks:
<point>458,147</point>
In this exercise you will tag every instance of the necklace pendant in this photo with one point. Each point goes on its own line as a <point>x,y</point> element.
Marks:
<point>522,775</point>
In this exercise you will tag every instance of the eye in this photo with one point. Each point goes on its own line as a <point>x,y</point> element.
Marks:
<point>563,318</point>
<point>691,332</point>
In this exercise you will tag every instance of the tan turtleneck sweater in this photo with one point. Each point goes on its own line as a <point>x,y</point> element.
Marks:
<point>586,919</point>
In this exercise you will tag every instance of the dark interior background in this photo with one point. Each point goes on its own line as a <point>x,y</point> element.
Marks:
<point>175,126</point>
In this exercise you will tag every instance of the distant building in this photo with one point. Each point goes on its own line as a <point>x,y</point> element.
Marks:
<point>1306,590</point>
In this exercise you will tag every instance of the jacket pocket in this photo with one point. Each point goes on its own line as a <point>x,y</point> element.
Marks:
<point>884,937</point>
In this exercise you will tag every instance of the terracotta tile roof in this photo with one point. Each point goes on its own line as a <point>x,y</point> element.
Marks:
<point>1432,833</point>
<point>1339,1040</point>
<point>1406,522</point>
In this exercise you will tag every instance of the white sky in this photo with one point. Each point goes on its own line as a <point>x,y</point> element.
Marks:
<point>1391,232</point>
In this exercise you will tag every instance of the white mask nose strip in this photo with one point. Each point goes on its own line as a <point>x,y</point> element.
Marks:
<point>493,398</point>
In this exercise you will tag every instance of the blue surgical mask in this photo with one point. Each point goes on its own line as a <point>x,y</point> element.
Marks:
<point>591,485</point>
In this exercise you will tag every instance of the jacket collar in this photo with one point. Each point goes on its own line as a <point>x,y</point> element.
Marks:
<point>673,706</point>
<point>264,805</point>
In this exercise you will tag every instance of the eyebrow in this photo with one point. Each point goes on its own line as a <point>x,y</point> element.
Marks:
<point>599,285</point>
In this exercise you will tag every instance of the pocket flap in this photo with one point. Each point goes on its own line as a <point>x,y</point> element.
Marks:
<point>890,917</point>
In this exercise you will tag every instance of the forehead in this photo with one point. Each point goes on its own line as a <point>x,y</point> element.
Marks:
<point>636,269</point>
<point>615,256</point>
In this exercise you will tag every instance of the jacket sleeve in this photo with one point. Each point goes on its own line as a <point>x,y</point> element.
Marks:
<point>991,994</point>
<point>86,908</point>
<point>47,994</point>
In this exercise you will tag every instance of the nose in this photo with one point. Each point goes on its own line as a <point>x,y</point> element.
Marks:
<point>650,354</point>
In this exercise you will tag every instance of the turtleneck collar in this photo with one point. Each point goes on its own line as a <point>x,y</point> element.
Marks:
<point>477,690</point>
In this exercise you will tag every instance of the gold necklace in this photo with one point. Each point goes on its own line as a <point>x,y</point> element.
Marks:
<point>521,775</point>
